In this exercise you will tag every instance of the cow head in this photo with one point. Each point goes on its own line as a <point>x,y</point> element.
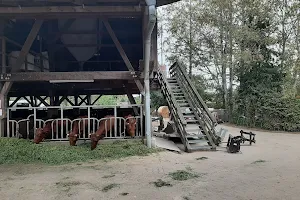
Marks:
<point>130,125</point>
<point>39,135</point>
<point>95,139</point>
<point>73,137</point>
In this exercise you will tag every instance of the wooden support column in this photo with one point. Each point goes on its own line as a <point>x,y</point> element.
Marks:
<point>3,98</point>
<point>131,100</point>
<point>122,53</point>
<point>153,56</point>
<point>88,100</point>
<point>32,102</point>
<point>76,100</point>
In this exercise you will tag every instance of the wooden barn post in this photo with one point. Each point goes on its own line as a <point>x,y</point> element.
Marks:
<point>3,70</point>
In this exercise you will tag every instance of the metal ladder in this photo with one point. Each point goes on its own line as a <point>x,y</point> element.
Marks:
<point>192,119</point>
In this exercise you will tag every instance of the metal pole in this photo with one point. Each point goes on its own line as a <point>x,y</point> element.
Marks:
<point>7,122</point>
<point>141,121</point>
<point>61,121</point>
<point>115,128</point>
<point>34,121</point>
<point>89,124</point>
<point>152,21</point>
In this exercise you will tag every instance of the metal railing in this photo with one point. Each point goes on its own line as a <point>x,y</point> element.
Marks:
<point>204,116</point>
<point>60,127</point>
<point>178,118</point>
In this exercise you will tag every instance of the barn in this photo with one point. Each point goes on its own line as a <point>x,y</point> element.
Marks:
<point>75,51</point>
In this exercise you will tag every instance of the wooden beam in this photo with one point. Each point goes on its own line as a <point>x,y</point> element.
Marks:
<point>28,101</point>
<point>25,49</point>
<point>27,45</point>
<point>78,2</point>
<point>122,53</point>
<point>69,101</point>
<point>130,98</point>
<point>66,76</point>
<point>15,101</point>
<point>61,100</point>
<point>42,100</point>
<point>82,100</point>
<point>99,96</point>
<point>58,11</point>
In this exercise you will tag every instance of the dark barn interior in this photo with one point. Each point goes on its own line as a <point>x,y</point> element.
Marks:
<point>68,50</point>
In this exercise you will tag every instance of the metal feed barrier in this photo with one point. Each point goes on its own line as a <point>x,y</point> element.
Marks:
<point>60,127</point>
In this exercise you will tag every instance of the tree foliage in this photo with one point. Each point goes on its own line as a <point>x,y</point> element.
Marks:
<point>246,51</point>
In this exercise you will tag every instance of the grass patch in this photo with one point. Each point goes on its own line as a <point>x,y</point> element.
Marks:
<point>68,183</point>
<point>108,176</point>
<point>66,186</point>
<point>109,187</point>
<point>202,158</point>
<point>160,183</point>
<point>182,175</point>
<point>258,161</point>
<point>15,151</point>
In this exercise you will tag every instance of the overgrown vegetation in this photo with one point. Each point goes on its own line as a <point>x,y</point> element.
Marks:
<point>109,176</point>
<point>182,175</point>
<point>22,151</point>
<point>202,158</point>
<point>160,183</point>
<point>258,161</point>
<point>109,187</point>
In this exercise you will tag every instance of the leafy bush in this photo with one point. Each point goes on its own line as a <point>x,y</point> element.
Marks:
<point>271,113</point>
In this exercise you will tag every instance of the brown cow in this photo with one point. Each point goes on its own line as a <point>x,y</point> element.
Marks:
<point>74,134</point>
<point>42,133</point>
<point>104,126</point>
<point>130,125</point>
<point>130,128</point>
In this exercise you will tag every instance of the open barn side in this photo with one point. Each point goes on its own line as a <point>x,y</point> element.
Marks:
<point>53,50</point>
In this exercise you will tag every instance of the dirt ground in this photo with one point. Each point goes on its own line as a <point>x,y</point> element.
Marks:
<point>224,176</point>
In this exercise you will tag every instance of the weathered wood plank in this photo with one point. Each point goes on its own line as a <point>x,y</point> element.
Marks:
<point>69,9</point>
<point>66,76</point>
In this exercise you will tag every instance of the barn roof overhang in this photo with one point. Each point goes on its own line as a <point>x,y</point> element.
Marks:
<point>19,3</point>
